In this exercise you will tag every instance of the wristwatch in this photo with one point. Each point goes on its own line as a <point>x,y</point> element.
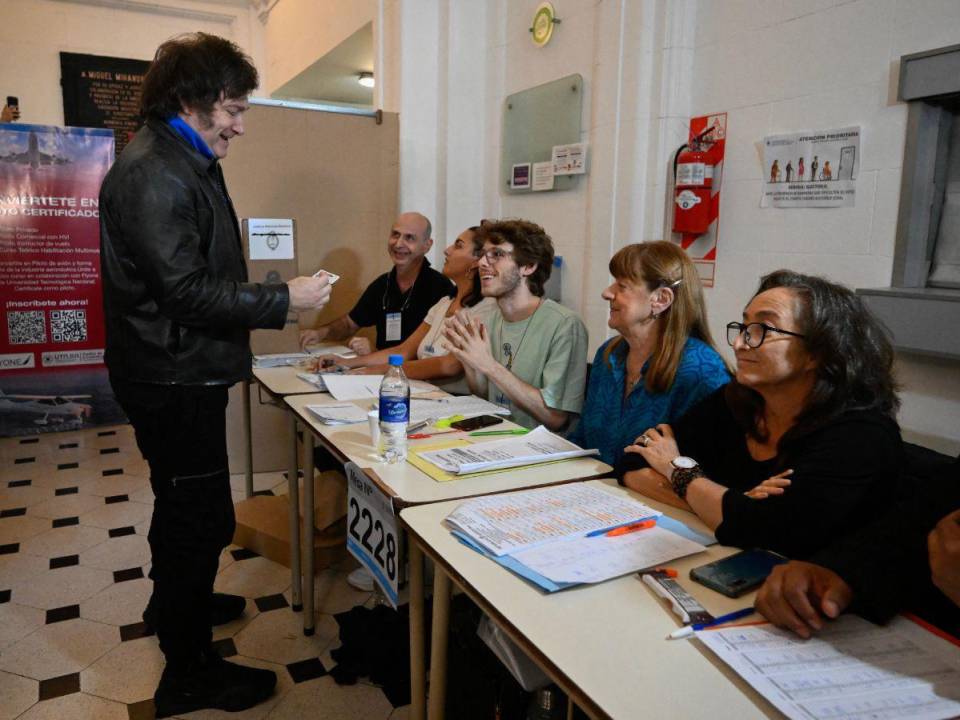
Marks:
<point>685,471</point>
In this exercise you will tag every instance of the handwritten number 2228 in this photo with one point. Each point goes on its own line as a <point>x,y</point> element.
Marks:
<point>374,526</point>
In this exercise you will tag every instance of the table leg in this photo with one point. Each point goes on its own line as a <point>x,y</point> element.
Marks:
<point>247,438</point>
<point>415,584</point>
<point>438,644</point>
<point>308,560</point>
<point>293,483</point>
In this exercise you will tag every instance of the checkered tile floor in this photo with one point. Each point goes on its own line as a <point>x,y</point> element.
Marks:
<point>74,513</point>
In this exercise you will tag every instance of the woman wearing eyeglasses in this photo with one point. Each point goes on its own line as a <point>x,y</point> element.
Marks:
<point>803,444</point>
<point>662,362</point>
<point>425,350</point>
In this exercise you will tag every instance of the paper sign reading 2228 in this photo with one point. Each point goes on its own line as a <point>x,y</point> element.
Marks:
<point>372,535</point>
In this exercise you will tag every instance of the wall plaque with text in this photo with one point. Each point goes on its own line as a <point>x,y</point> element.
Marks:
<point>102,92</point>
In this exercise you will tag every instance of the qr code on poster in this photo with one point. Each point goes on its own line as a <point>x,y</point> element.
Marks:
<point>26,328</point>
<point>68,325</point>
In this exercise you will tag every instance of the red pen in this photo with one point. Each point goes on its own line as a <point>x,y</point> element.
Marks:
<point>627,529</point>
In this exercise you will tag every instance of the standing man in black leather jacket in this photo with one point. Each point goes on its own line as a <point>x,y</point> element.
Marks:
<point>179,309</point>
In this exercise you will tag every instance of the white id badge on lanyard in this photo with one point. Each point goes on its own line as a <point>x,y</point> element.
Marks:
<point>393,327</point>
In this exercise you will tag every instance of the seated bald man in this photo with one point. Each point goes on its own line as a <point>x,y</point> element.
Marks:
<point>397,301</point>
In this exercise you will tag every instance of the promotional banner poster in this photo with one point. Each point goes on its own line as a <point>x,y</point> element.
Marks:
<point>811,169</point>
<point>51,312</point>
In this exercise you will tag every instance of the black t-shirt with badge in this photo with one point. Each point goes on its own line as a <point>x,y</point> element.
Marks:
<point>383,297</point>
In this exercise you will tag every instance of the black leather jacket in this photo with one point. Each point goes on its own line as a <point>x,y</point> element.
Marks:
<point>176,300</point>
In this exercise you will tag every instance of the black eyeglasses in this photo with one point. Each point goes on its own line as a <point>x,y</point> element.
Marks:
<point>754,333</point>
<point>495,255</point>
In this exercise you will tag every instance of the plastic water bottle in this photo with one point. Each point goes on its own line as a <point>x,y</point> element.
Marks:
<point>394,412</point>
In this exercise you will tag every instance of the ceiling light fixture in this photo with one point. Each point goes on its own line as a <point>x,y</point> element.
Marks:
<point>366,79</point>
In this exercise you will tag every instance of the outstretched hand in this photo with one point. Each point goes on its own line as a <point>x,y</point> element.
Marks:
<point>799,596</point>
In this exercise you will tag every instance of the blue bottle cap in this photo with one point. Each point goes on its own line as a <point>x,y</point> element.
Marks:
<point>396,360</point>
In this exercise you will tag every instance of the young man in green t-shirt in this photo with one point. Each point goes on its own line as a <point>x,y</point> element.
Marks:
<point>532,356</point>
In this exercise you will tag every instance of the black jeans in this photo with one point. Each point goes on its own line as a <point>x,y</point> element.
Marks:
<point>181,431</point>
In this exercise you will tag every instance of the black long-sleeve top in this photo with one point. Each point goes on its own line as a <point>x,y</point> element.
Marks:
<point>886,562</point>
<point>844,473</point>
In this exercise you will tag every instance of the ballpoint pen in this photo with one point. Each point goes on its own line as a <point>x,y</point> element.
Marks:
<point>417,425</point>
<point>689,630</point>
<point>423,436</point>
<point>483,433</point>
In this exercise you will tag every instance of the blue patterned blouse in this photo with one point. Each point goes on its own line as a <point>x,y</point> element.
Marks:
<point>610,422</point>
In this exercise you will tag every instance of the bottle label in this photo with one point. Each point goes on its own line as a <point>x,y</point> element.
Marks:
<point>394,409</point>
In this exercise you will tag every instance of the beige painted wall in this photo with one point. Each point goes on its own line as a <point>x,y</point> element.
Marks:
<point>299,32</point>
<point>34,32</point>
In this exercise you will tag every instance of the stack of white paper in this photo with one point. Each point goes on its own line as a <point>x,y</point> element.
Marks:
<point>851,670</point>
<point>313,379</point>
<point>466,405</point>
<point>559,536</point>
<point>537,446</point>
<point>362,387</point>
<point>506,523</point>
<point>339,350</point>
<point>344,414</point>
<point>420,408</point>
<point>278,359</point>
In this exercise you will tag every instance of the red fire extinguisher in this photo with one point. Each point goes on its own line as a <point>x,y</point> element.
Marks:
<point>693,178</point>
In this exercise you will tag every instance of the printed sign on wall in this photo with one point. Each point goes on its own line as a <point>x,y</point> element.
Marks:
<point>811,169</point>
<point>102,92</point>
<point>51,309</point>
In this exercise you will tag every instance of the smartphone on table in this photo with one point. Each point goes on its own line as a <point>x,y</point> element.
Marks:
<point>475,423</point>
<point>737,574</point>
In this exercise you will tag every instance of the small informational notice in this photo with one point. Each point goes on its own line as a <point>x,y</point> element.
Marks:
<point>811,169</point>
<point>542,176</point>
<point>372,534</point>
<point>569,159</point>
<point>520,176</point>
<point>270,238</point>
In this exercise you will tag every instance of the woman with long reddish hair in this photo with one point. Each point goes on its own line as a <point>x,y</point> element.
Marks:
<point>662,361</point>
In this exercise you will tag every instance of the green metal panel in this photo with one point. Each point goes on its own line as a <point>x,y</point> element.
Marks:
<point>534,121</point>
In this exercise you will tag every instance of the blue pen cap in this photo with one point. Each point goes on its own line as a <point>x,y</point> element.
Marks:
<point>396,360</point>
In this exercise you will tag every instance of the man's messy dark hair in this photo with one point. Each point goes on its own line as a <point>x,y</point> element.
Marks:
<point>195,71</point>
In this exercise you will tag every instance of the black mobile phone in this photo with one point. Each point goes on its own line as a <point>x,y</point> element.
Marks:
<point>13,101</point>
<point>475,423</point>
<point>737,574</point>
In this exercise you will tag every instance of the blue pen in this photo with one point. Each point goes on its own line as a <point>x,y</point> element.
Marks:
<point>689,630</point>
